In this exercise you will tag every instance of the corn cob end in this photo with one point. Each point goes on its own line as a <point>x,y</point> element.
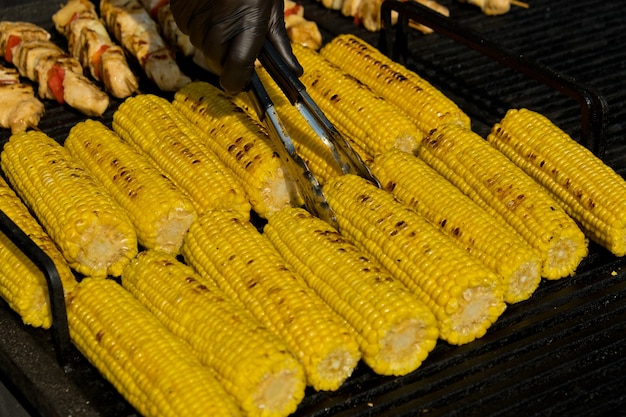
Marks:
<point>404,347</point>
<point>478,308</point>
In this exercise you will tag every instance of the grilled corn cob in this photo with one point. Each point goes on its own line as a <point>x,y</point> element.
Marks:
<point>93,232</point>
<point>229,250</point>
<point>589,190</point>
<point>156,129</point>
<point>153,369</point>
<point>250,362</point>
<point>160,212</point>
<point>306,142</point>
<point>501,188</point>
<point>241,144</point>
<point>395,330</point>
<point>22,284</point>
<point>465,296</point>
<point>427,105</point>
<point>489,238</point>
<point>364,117</point>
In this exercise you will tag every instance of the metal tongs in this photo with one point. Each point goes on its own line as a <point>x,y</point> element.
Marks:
<point>343,154</point>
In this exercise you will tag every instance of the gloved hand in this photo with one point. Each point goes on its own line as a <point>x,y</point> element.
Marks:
<point>231,33</point>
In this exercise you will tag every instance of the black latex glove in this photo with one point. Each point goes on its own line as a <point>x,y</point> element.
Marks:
<point>231,34</point>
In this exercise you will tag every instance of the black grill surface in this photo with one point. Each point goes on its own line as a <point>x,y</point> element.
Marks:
<point>561,353</point>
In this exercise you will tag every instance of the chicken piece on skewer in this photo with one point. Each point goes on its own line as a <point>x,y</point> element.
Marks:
<point>161,12</point>
<point>12,33</point>
<point>139,34</point>
<point>332,4</point>
<point>90,43</point>
<point>299,29</point>
<point>19,108</point>
<point>367,13</point>
<point>496,7</point>
<point>59,75</point>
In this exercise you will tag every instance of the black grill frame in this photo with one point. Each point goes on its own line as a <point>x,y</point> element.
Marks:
<point>560,353</point>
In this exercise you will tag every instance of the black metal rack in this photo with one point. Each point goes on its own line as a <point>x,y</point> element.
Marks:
<point>560,353</point>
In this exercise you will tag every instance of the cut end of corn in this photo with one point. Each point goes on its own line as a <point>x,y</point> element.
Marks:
<point>334,367</point>
<point>563,256</point>
<point>171,229</point>
<point>478,309</point>
<point>404,347</point>
<point>278,394</point>
<point>104,248</point>
<point>523,282</point>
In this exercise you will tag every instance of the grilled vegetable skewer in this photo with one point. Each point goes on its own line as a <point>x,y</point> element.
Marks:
<point>139,34</point>
<point>59,75</point>
<point>90,43</point>
<point>19,108</point>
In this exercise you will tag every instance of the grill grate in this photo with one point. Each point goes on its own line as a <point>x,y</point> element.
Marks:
<point>560,353</point>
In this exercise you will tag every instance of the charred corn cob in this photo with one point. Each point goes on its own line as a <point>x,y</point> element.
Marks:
<point>153,369</point>
<point>92,231</point>
<point>590,191</point>
<point>427,105</point>
<point>504,190</point>
<point>487,237</point>
<point>250,362</point>
<point>308,145</point>
<point>22,285</point>
<point>156,129</point>
<point>395,330</point>
<point>229,250</point>
<point>160,212</point>
<point>465,296</point>
<point>241,144</point>
<point>359,114</point>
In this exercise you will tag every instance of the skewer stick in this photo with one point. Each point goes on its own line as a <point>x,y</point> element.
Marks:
<point>519,3</point>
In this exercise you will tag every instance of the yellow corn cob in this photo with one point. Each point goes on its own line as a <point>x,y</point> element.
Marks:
<point>395,330</point>
<point>502,189</point>
<point>306,142</point>
<point>22,284</point>
<point>93,232</point>
<point>156,129</point>
<point>241,144</point>
<point>374,124</point>
<point>250,362</point>
<point>154,370</point>
<point>465,296</point>
<point>160,212</point>
<point>489,238</point>
<point>589,190</point>
<point>428,106</point>
<point>229,250</point>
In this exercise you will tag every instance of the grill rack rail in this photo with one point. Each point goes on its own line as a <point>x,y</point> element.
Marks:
<point>593,107</point>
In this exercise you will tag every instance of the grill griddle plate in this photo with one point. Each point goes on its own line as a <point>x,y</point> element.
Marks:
<point>562,352</point>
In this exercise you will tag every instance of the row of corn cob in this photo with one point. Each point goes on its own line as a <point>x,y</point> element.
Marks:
<point>464,303</point>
